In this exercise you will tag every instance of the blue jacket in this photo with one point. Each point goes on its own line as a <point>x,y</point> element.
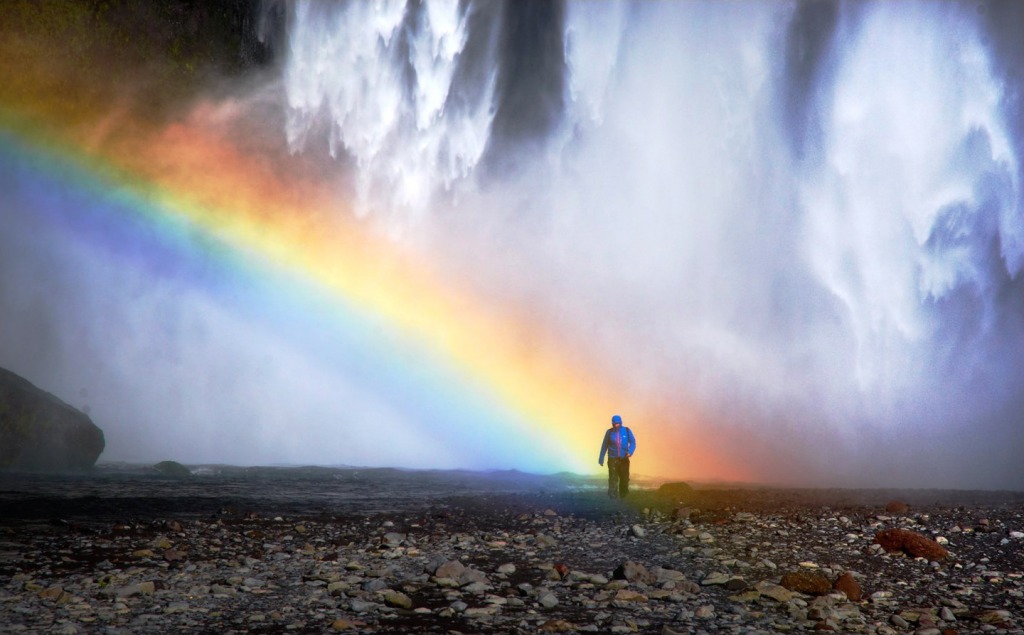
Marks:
<point>626,444</point>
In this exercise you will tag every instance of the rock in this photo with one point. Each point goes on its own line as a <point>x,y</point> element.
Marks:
<point>667,575</point>
<point>172,469</point>
<point>848,585</point>
<point>41,433</point>
<point>736,584</point>
<point>557,626</point>
<point>51,593</point>
<point>375,584</point>
<point>544,540</point>
<point>911,543</point>
<point>896,507</point>
<point>997,616</point>
<point>233,580</point>
<point>362,606</point>
<point>776,592</point>
<point>173,555</point>
<point>141,588</point>
<point>625,595</point>
<point>683,513</point>
<point>809,582</point>
<point>450,569</point>
<point>397,599</point>
<point>704,612</point>
<point>472,576</point>
<point>633,572</point>
<point>676,490</point>
<point>715,578</point>
<point>343,625</point>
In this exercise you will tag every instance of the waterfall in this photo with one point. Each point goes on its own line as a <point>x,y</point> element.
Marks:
<point>805,215</point>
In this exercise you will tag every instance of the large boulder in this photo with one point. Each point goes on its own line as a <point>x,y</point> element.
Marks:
<point>41,433</point>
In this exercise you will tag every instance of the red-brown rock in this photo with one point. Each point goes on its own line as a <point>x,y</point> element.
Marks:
<point>897,507</point>
<point>848,585</point>
<point>911,543</point>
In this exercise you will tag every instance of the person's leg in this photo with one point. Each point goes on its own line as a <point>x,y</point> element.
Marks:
<point>613,477</point>
<point>623,477</point>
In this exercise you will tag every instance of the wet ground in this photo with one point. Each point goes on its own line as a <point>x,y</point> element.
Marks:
<point>120,491</point>
<point>313,550</point>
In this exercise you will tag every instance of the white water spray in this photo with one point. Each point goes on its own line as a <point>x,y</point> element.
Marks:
<point>381,80</point>
<point>678,237</point>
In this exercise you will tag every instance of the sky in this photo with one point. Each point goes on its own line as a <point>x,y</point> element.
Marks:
<point>785,242</point>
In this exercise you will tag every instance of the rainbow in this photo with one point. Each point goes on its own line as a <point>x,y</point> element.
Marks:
<point>485,373</point>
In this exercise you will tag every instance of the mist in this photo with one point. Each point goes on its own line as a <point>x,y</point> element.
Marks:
<point>804,218</point>
<point>799,225</point>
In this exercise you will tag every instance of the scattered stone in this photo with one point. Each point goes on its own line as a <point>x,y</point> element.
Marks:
<point>280,572</point>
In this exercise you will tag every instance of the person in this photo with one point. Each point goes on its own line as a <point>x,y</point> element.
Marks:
<point>619,443</point>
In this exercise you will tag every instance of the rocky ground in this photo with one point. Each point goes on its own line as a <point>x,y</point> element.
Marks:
<point>689,561</point>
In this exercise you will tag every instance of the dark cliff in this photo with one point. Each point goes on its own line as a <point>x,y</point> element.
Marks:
<point>39,432</point>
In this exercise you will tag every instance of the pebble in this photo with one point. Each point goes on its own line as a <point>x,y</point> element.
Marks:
<point>529,569</point>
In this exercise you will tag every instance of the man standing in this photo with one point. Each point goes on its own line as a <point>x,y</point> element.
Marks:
<point>620,444</point>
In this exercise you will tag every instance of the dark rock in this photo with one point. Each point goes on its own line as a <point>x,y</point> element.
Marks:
<point>809,582</point>
<point>676,490</point>
<point>911,543</point>
<point>736,585</point>
<point>41,433</point>
<point>173,469</point>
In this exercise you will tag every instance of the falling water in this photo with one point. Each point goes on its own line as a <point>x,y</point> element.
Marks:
<point>806,218</point>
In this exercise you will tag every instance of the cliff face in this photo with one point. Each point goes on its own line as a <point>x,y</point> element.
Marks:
<point>39,432</point>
